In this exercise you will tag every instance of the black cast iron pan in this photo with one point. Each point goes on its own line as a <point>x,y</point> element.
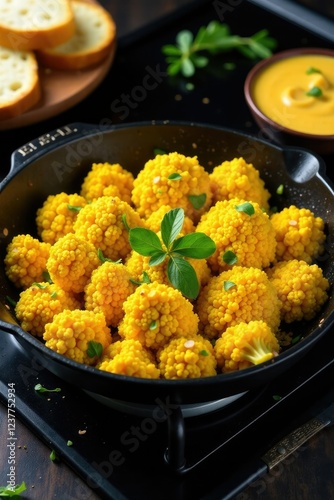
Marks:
<point>59,160</point>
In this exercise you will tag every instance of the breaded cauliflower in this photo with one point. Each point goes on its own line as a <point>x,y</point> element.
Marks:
<point>244,345</point>
<point>109,286</point>
<point>129,357</point>
<point>107,179</point>
<point>70,333</point>
<point>187,357</point>
<point>38,304</point>
<point>71,262</point>
<point>155,313</point>
<point>251,238</point>
<point>25,260</point>
<point>172,179</point>
<point>301,287</point>
<point>153,222</point>
<point>102,224</point>
<point>299,234</point>
<point>138,264</point>
<point>238,179</point>
<point>57,215</point>
<point>241,294</point>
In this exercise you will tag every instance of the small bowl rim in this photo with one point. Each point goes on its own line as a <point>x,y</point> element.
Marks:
<point>284,54</point>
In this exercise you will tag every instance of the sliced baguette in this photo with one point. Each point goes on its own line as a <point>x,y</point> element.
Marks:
<point>19,82</point>
<point>34,24</point>
<point>93,39</point>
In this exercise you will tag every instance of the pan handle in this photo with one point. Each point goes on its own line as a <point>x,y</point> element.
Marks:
<point>50,141</point>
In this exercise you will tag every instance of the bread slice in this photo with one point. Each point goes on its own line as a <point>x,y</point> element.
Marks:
<point>19,82</point>
<point>34,24</point>
<point>93,39</point>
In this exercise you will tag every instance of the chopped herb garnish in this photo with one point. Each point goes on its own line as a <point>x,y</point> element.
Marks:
<point>158,151</point>
<point>312,70</point>
<point>69,443</point>
<point>246,207</point>
<point>228,285</point>
<point>146,279</point>
<point>46,277</point>
<point>174,177</point>
<point>125,222</point>
<point>197,201</point>
<point>94,349</point>
<point>314,92</point>
<point>39,285</point>
<point>276,397</point>
<point>280,189</point>
<point>296,339</point>
<point>53,456</point>
<point>102,258</point>
<point>74,208</point>
<point>40,388</point>
<point>204,353</point>
<point>54,295</point>
<point>230,258</point>
<point>180,272</point>
<point>153,325</point>
<point>10,301</point>
<point>10,491</point>
<point>191,52</point>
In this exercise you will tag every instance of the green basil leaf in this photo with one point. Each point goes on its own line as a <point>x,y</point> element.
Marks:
<point>174,177</point>
<point>246,207</point>
<point>171,225</point>
<point>144,241</point>
<point>182,276</point>
<point>198,200</point>
<point>230,258</point>
<point>314,92</point>
<point>157,258</point>
<point>94,349</point>
<point>194,245</point>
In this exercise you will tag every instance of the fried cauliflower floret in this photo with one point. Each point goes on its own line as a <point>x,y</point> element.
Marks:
<point>106,179</point>
<point>25,260</point>
<point>172,179</point>
<point>238,179</point>
<point>38,304</point>
<point>155,313</point>
<point>71,262</point>
<point>251,238</point>
<point>109,286</point>
<point>138,265</point>
<point>57,215</point>
<point>239,295</point>
<point>301,287</point>
<point>299,234</point>
<point>102,224</point>
<point>153,222</point>
<point>71,332</point>
<point>129,357</point>
<point>187,357</point>
<point>244,345</point>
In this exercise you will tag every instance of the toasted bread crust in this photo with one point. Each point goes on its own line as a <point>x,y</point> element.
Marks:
<point>22,90</point>
<point>44,23</point>
<point>93,40</point>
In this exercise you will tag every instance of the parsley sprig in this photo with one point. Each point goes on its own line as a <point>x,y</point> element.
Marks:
<point>6,491</point>
<point>180,272</point>
<point>191,52</point>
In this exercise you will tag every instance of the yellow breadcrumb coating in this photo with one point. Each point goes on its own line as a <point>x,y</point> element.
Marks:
<point>106,179</point>
<point>251,238</point>
<point>25,260</point>
<point>238,179</point>
<point>38,304</point>
<point>102,224</point>
<point>70,332</point>
<point>153,222</point>
<point>299,234</point>
<point>71,262</point>
<point>187,357</point>
<point>108,287</point>
<point>57,215</point>
<point>245,345</point>
<point>154,187</point>
<point>155,313</point>
<point>129,357</point>
<point>138,264</point>
<point>301,287</point>
<point>238,295</point>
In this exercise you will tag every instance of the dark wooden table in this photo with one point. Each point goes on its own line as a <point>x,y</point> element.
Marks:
<point>298,477</point>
